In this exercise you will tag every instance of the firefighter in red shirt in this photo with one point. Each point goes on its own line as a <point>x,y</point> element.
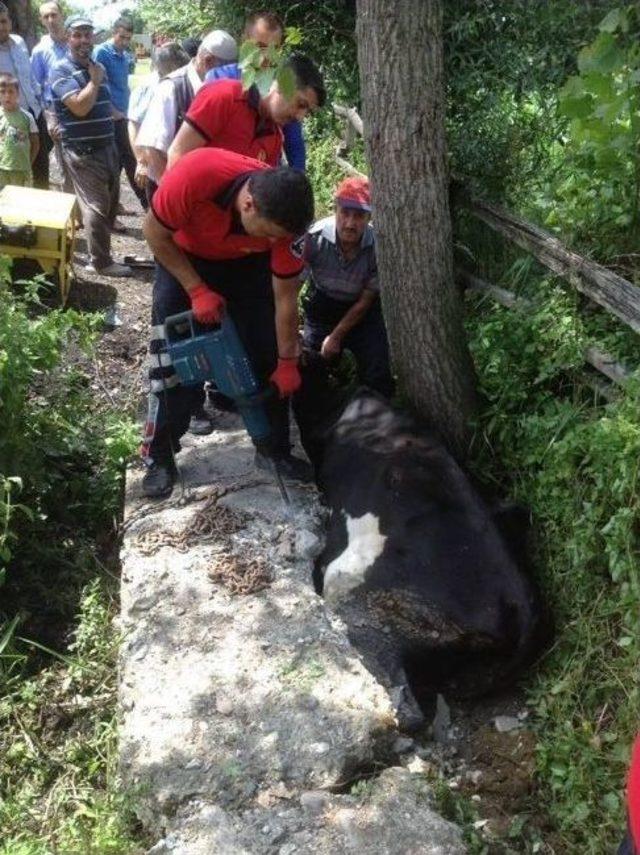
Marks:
<point>227,233</point>
<point>224,115</point>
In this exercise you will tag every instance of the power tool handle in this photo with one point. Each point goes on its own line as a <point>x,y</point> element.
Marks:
<point>173,321</point>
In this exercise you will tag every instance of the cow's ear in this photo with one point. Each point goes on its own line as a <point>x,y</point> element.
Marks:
<point>514,523</point>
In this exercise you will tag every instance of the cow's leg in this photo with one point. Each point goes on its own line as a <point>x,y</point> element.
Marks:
<point>383,654</point>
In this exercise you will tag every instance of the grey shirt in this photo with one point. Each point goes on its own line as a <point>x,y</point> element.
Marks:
<point>333,275</point>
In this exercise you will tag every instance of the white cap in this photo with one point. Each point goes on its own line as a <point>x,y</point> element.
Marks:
<point>221,45</point>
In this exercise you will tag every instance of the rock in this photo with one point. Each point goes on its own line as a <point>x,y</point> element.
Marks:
<point>402,745</point>
<point>285,549</point>
<point>441,721</point>
<point>314,801</point>
<point>240,711</point>
<point>506,723</point>
<point>143,604</point>
<point>224,705</point>
<point>417,766</point>
<point>308,545</point>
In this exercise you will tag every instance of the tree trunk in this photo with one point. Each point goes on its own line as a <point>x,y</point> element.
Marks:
<point>23,21</point>
<point>401,78</point>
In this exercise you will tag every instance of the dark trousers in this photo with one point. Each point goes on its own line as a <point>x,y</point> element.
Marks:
<point>128,160</point>
<point>40,165</point>
<point>246,285</point>
<point>367,341</point>
<point>627,847</point>
<point>150,189</point>
<point>96,182</point>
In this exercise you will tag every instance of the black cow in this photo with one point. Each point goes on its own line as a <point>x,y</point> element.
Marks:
<point>416,562</point>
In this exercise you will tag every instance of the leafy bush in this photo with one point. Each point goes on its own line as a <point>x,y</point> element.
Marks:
<point>58,757</point>
<point>61,468</point>
<point>541,438</point>
<point>61,457</point>
<point>596,196</point>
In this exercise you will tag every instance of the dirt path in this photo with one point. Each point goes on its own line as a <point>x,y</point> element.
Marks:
<point>119,365</point>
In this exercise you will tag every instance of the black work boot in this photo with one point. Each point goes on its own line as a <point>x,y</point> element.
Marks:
<point>201,424</point>
<point>159,479</point>
<point>290,467</point>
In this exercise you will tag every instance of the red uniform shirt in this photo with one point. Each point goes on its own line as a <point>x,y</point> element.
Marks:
<point>229,118</point>
<point>195,200</point>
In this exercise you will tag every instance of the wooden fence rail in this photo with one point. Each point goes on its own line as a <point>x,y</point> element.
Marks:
<point>598,359</point>
<point>613,293</point>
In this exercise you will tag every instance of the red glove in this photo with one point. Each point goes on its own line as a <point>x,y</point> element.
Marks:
<point>207,305</point>
<point>287,377</point>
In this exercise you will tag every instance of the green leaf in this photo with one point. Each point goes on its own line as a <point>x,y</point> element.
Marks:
<point>7,632</point>
<point>573,87</point>
<point>293,36</point>
<point>247,51</point>
<point>248,78</point>
<point>286,82</point>
<point>616,19</point>
<point>264,79</point>
<point>577,108</point>
<point>600,85</point>
<point>272,56</point>
<point>603,55</point>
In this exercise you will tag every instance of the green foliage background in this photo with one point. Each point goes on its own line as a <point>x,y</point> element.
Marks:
<point>542,116</point>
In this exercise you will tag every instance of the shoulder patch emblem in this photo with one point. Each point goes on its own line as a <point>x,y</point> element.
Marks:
<point>296,248</point>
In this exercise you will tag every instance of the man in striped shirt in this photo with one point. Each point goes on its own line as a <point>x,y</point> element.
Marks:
<point>82,103</point>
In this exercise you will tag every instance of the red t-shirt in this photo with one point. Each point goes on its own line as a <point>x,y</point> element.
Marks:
<point>229,118</point>
<point>195,200</point>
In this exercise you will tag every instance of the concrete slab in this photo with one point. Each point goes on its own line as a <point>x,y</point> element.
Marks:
<point>233,705</point>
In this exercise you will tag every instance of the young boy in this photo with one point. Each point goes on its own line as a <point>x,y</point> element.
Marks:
<point>19,141</point>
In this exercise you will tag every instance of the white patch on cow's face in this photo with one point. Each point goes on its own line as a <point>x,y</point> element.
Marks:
<point>364,544</point>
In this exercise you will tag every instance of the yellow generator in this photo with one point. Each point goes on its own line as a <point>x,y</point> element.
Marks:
<point>40,225</point>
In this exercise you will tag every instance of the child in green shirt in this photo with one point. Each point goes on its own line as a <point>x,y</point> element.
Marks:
<point>19,141</point>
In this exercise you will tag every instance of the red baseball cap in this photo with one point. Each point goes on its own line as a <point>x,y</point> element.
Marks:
<point>354,193</point>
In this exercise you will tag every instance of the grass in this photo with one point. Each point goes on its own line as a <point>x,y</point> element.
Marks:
<point>543,439</point>
<point>62,450</point>
<point>58,742</point>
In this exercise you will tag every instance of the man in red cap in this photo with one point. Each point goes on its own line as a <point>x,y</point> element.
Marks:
<point>343,309</point>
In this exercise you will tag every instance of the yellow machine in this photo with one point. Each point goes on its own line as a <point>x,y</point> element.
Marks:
<point>40,224</point>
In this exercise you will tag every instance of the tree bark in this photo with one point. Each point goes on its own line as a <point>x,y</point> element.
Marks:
<point>401,78</point>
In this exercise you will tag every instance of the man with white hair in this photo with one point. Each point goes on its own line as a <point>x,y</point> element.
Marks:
<point>165,58</point>
<point>172,100</point>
